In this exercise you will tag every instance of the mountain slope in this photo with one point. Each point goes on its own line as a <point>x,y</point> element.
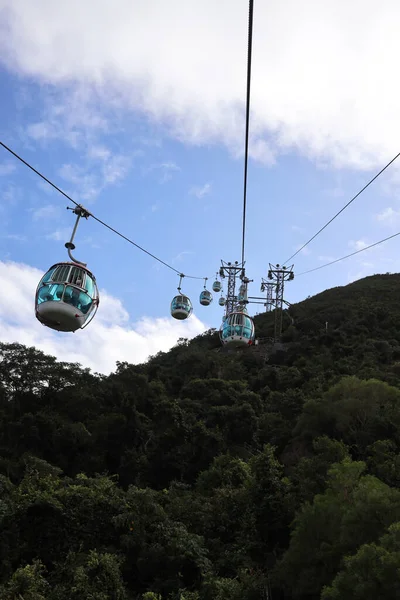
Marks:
<point>206,458</point>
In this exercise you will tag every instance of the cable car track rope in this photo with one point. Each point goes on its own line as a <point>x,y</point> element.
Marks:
<point>349,255</point>
<point>249,60</point>
<point>246,150</point>
<point>93,216</point>
<point>340,211</point>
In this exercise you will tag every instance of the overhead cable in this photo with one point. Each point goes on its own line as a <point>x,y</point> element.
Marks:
<point>246,150</point>
<point>93,216</point>
<point>344,207</point>
<point>349,255</point>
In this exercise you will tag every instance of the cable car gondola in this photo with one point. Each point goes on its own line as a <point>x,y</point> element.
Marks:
<point>181,306</point>
<point>205,296</point>
<point>237,329</point>
<point>216,286</point>
<point>67,296</point>
<point>222,301</point>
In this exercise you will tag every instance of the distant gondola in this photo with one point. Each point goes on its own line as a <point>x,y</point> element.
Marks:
<point>181,306</point>
<point>205,296</point>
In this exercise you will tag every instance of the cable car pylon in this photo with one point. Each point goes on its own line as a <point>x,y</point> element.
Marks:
<point>279,274</point>
<point>269,288</point>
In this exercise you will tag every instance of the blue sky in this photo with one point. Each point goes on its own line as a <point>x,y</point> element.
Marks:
<point>158,154</point>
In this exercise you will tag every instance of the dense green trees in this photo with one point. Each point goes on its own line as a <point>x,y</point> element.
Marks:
<point>206,475</point>
<point>373,572</point>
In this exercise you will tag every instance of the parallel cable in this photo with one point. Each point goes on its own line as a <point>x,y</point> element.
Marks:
<point>142,249</point>
<point>349,255</point>
<point>37,173</point>
<point>344,207</point>
<point>246,151</point>
<point>93,216</point>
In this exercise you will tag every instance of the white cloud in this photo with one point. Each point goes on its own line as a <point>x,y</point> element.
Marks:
<point>85,182</point>
<point>356,275</point>
<point>45,187</point>
<point>335,192</point>
<point>49,211</point>
<point>200,191</point>
<point>113,166</point>
<point>378,259</point>
<point>110,337</point>
<point>90,180</point>
<point>389,216</point>
<point>77,120</point>
<point>9,195</point>
<point>359,267</point>
<point>390,181</point>
<point>314,92</point>
<point>73,117</point>
<point>179,257</point>
<point>375,260</point>
<point>17,237</point>
<point>41,131</point>
<point>99,152</point>
<point>115,169</point>
<point>165,169</point>
<point>358,244</point>
<point>326,258</point>
<point>367,265</point>
<point>305,251</point>
<point>7,168</point>
<point>59,235</point>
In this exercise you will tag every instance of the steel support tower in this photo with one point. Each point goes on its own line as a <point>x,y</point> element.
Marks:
<point>232,271</point>
<point>269,288</point>
<point>279,275</point>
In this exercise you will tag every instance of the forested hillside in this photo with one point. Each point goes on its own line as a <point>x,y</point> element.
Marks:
<point>268,473</point>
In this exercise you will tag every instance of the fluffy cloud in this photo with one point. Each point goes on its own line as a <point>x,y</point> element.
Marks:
<point>110,337</point>
<point>357,245</point>
<point>165,170</point>
<point>305,251</point>
<point>378,259</point>
<point>322,73</point>
<point>49,211</point>
<point>88,183</point>
<point>7,168</point>
<point>200,190</point>
<point>389,216</point>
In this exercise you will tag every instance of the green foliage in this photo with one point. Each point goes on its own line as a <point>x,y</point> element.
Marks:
<point>308,476</point>
<point>96,576</point>
<point>206,475</point>
<point>356,412</point>
<point>28,583</point>
<point>373,572</point>
<point>354,510</point>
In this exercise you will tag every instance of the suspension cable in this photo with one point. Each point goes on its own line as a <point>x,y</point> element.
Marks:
<point>344,207</point>
<point>246,151</point>
<point>349,255</point>
<point>92,215</point>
